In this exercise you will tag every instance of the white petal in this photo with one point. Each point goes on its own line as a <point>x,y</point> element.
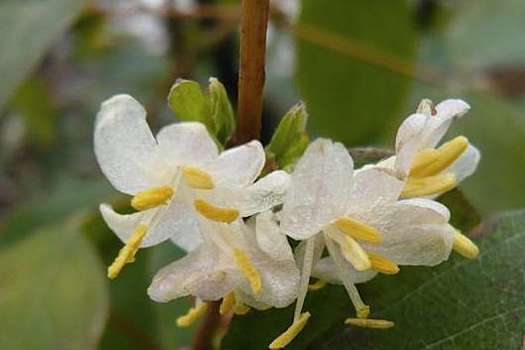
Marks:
<point>125,148</point>
<point>373,185</point>
<point>447,112</point>
<point>319,190</point>
<point>203,273</point>
<point>326,270</point>
<point>238,166</point>
<point>265,194</point>
<point>409,140</point>
<point>187,143</point>
<point>414,232</point>
<point>466,164</point>
<point>270,238</point>
<point>123,225</point>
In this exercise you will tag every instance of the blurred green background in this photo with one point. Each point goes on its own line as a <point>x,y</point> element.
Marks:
<point>361,66</point>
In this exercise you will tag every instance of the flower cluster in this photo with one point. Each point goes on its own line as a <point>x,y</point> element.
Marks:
<point>236,226</point>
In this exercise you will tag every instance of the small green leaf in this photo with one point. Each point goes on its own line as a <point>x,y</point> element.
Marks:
<point>290,139</point>
<point>222,111</point>
<point>461,304</point>
<point>189,103</point>
<point>53,292</point>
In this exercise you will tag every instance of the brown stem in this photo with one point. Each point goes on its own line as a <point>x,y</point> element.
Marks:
<point>254,22</point>
<point>203,338</point>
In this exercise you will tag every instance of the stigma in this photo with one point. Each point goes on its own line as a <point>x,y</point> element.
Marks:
<point>197,178</point>
<point>127,254</point>
<point>249,271</point>
<point>292,332</point>
<point>152,198</point>
<point>214,213</point>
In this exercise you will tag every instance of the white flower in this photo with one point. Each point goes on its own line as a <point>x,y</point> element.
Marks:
<point>252,262</point>
<point>430,171</point>
<point>174,178</point>
<point>359,219</point>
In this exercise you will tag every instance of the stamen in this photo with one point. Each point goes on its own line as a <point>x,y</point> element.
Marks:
<point>241,309</point>
<point>211,212</point>
<point>423,159</point>
<point>358,230</point>
<point>352,251</point>
<point>369,323</point>
<point>197,178</point>
<point>152,198</point>
<point>448,153</point>
<point>317,285</point>
<point>227,304</point>
<point>192,315</point>
<point>363,311</point>
<point>464,246</point>
<point>292,331</point>
<point>127,254</point>
<point>249,271</point>
<point>425,186</point>
<point>382,264</point>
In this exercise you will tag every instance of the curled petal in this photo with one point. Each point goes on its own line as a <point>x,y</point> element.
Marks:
<point>466,164</point>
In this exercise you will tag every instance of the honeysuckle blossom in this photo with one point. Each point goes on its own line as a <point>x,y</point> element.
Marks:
<point>430,170</point>
<point>245,264</point>
<point>175,177</point>
<point>357,216</point>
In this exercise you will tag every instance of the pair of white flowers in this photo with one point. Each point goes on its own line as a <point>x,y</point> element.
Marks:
<point>235,228</point>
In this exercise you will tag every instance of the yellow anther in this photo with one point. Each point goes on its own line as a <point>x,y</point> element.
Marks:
<point>448,153</point>
<point>426,186</point>
<point>317,285</point>
<point>192,315</point>
<point>127,254</point>
<point>152,198</point>
<point>382,264</point>
<point>210,211</point>
<point>292,332</point>
<point>369,323</point>
<point>353,252</point>
<point>241,309</point>
<point>423,159</point>
<point>227,304</point>
<point>363,312</point>
<point>197,178</point>
<point>249,271</point>
<point>464,246</point>
<point>358,230</point>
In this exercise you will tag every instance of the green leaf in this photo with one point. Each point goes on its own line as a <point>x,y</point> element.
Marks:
<point>222,111</point>
<point>189,103</point>
<point>53,292</point>
<point>290,139</point>
<point>461,304</point>
<point>28,29</point>
<point>349,96</point>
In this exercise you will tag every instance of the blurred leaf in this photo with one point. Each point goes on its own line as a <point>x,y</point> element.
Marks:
<point>461,304</point>
<point>33,103</point>
<point>51,208</point>
<point>349,99</point>
<point>189,103</point>
<point>290,139</point>
<point>28,29</point>
<point>222,111</point>
<point>53,293</point>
